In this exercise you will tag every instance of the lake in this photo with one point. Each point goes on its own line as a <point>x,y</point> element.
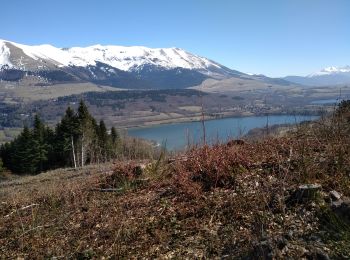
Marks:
<point>177,136</point>
<point>326,101</point>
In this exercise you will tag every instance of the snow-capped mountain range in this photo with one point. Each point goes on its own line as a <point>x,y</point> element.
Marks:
<point>327,76</point>
<point>330,70</point>
<point>135,67</point>
<point>128,67</point>
<point>120,57</point>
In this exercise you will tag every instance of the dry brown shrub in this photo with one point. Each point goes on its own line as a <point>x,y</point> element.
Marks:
<point>123,172</point>
<point>207,168</point>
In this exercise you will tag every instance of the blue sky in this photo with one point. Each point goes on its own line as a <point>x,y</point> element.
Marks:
<point>273,37</point>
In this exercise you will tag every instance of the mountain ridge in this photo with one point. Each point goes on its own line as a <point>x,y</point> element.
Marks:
<point>120,57</point>
<point>131,67</point>
<point>135,67</point>
<point>327,76</point>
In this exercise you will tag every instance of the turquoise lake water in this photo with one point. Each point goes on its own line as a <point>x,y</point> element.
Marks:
<point>326,101</point>
<point>177,136</point>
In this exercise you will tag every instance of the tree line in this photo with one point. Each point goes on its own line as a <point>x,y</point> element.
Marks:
<point>11,114</point>
<point>75,141</point>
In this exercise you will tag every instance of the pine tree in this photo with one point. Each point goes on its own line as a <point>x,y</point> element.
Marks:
<point>1,166</point>
<point>66,138</point>
<point>94,147</point>
<point>86,132</point>
<point>76,140</point>
<point>83,112</point>
<point>40,148</point>
<point>103,141</point>
<point>115,142</point>
<point>25,158</point>
<point>50,139</point>
<point>114,135</point>
<point>6,153</point>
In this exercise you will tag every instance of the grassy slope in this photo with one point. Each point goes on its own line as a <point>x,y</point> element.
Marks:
<point>34,93</point>
<point>8,134</point>
<point>221,201</point>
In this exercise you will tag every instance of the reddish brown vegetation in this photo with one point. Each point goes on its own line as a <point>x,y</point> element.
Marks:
<point>235,142</point>
<point>211,202</point>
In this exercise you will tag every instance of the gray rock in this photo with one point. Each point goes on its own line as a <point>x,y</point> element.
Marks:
<point>342,207</point>
<point>306,193</point>
<point>315,238</point>
<point>335,195</point>
<point>316,253</point>
<point>321,255</point>
<point>336,204</point>
<point>310,187</point>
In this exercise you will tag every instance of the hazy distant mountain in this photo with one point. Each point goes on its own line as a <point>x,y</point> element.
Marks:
<point>324,77</point>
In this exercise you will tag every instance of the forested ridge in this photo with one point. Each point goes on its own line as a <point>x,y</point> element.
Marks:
<point>12,114</point>
<point>75,141</point>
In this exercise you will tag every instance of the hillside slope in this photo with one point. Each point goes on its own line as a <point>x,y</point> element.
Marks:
<point>285,197</point>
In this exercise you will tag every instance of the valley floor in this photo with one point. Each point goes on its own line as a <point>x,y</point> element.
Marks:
<point>135,108</point>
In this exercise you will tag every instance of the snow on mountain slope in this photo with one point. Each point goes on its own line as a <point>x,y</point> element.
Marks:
<point>129,67</point>
<point>120,57</point>
<point>47,52</point>
<point>129,58</point>
<point>4,54</point>
<point>330,70</point>
<point>325,77</point>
